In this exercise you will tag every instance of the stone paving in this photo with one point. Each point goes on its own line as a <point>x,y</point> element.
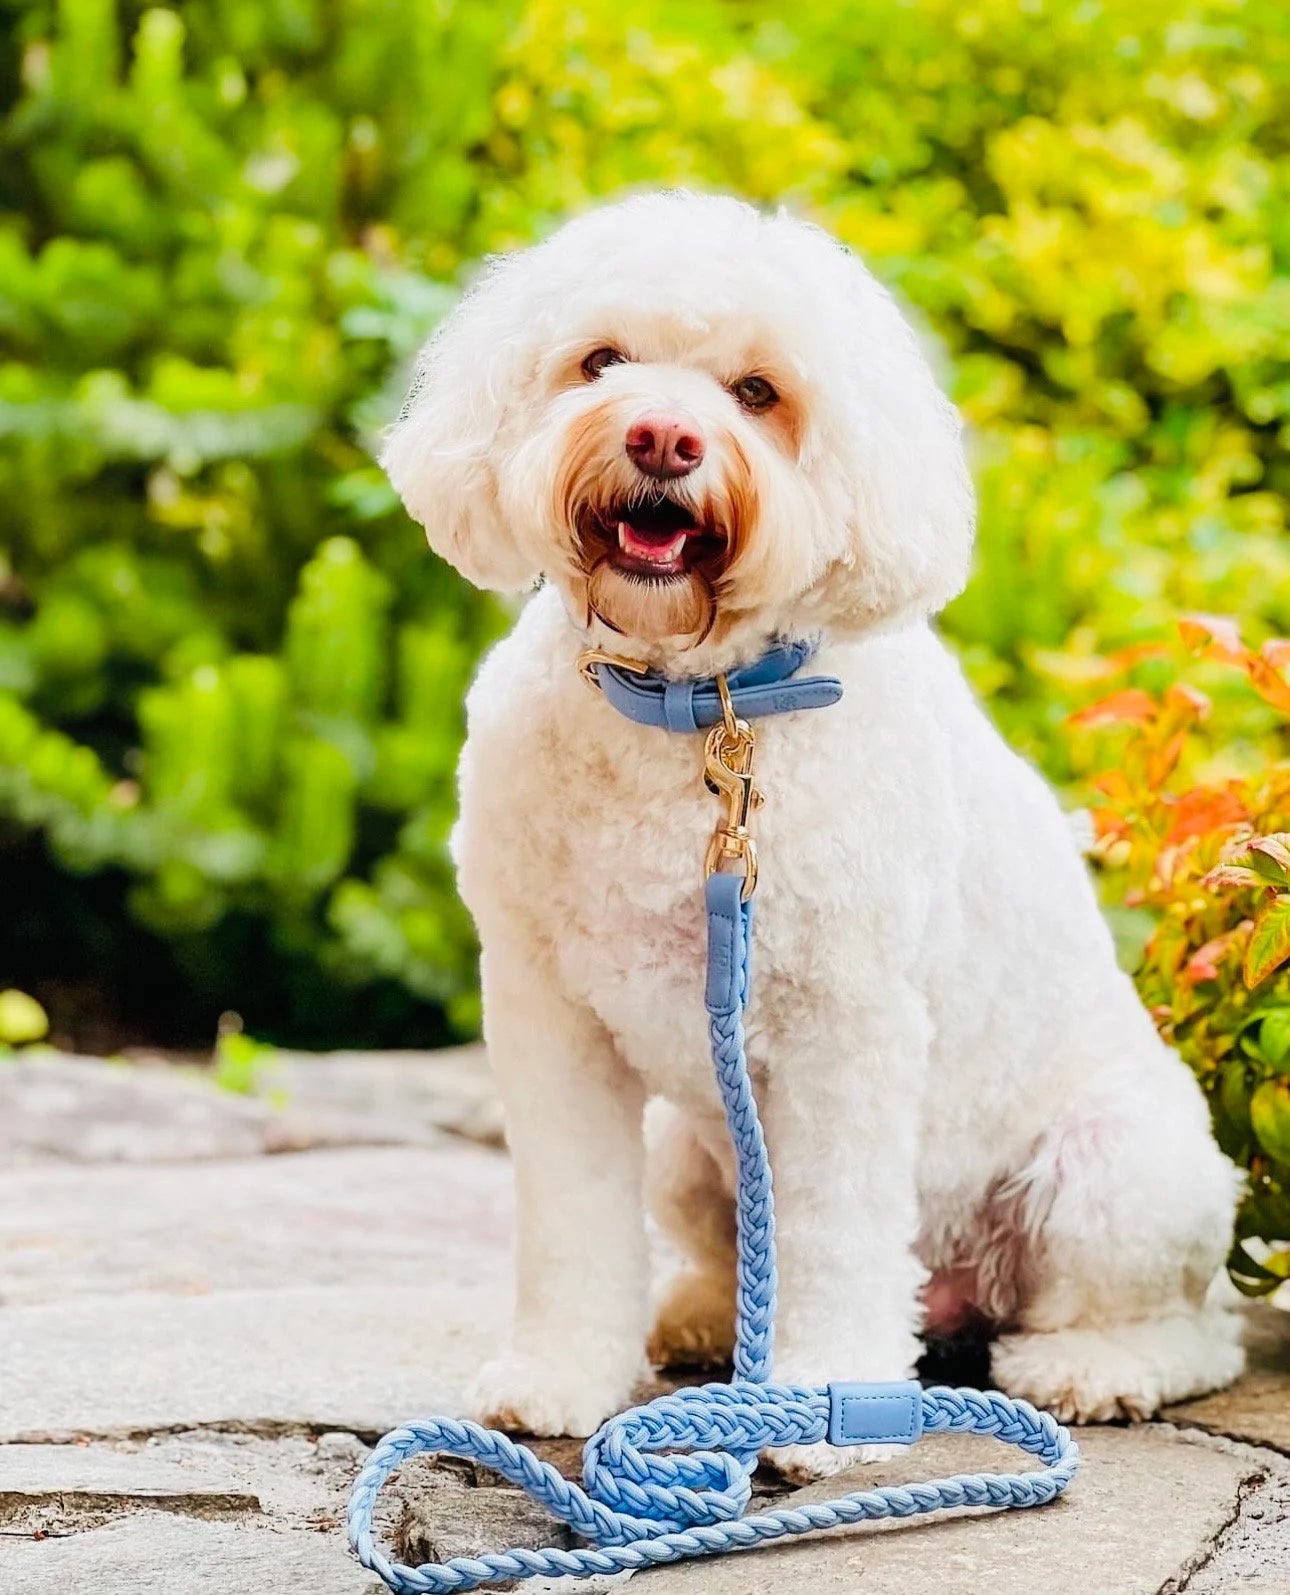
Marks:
<point>210,1307</point>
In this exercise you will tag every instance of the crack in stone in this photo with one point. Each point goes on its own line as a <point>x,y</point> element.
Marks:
<point>1181,1581</point>
<point>249,1428</point>
<point>1194,1426</point>
<point>41,1514</point>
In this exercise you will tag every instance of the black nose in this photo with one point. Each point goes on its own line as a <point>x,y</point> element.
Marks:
<point>664,445</point>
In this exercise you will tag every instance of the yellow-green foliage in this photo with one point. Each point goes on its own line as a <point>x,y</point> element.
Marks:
<point>229,680</point>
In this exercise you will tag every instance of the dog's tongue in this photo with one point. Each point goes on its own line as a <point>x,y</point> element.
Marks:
<point>653,547</point>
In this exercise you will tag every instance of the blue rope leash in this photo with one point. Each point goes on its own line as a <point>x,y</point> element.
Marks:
<point>670,1480</point>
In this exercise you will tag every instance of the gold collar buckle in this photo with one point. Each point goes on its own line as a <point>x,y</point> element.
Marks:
<point>589,658</point>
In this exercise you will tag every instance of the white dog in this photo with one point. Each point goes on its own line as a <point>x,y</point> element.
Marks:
<point>707,428</point>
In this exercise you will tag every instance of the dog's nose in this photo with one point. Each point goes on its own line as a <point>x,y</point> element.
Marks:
<point>664,445</point>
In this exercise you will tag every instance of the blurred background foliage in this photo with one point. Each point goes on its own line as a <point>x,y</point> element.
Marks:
<point>230,677</point>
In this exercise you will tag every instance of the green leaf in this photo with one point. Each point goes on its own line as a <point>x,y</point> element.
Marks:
<point>1274,1036</point>
<point>1270,1118</point>
<point>240,1061</point>
<point>1269,944</point>
<point>1270,856</point>
<point>1232,1110</point>
<point>1252,1278</point>
<point>1234,1094</point>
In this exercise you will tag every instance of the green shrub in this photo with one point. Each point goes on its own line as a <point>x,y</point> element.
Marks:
<point>230,678</point>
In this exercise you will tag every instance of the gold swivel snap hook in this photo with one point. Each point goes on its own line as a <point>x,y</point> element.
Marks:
<point>728,772</point>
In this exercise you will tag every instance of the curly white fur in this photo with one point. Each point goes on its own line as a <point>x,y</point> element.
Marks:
<point>966,1106</point>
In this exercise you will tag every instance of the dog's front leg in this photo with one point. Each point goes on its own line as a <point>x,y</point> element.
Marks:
<point>842,1115</point>
<point>574,1126</point>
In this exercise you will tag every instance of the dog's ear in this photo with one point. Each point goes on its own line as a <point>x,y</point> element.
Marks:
<point>439,454</point>
<point>912,510</point>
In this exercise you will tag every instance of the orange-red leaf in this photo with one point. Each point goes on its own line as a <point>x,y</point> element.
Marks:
<point>1168,945</point>
<point>1203,963</point>
<point>1216,635</point>
<point>1202,810</point>
<point>1269,683</point>
<point>1187,700</point>
<point>1135,653</point>
<point>1113,784</point>
<point>1108,824</point>
<point>1132,705</point>
<point>1168,860</point>
<point>1163,762</point>
<point>1230,877</point>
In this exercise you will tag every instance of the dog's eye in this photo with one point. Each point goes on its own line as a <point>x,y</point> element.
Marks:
<point>754,393</point>
<point>600,360</point>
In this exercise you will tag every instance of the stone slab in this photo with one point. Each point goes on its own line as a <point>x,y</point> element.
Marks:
<point>59,1107</point>
<point>207,1511</point>
<point>160,1554</point>
<point>1142,1517</point>
<point>1257,1407</point>
<point>1144,1503</point>
<point>87,1111</point>
<point>391,1096</point>
<point>304,1358</point>
<point>291,1476</point>
<point>445,1516</point>
<point>356,1217</point>
<point>45,1486</point>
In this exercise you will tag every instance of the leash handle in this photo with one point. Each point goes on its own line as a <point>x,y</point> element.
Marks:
<point>756,1415</point>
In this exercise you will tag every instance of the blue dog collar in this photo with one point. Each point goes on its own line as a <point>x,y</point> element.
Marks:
<point>768,686</point>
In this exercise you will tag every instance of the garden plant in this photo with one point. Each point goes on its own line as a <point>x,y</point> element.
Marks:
<point>230,678</point>
<point>1206,849</point>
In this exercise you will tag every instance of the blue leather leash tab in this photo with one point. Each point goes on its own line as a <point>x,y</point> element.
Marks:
<point>769,686</point>
<point>729,926</point>
<point>875,1414</point>
<point>641,1503</point>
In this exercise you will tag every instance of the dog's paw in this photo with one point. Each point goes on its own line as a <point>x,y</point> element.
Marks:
<point>1126,1371</point>
<point>803,1464</point>
<point>569,1395</point>
<point>1073,1394</point>
<point>695,1323</point>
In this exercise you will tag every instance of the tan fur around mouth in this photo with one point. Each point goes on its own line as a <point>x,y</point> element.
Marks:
<point>652,610</point>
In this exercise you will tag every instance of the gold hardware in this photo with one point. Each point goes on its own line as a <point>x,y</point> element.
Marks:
<point>728,716</point>
<point>728,772</point>
<point>589,658</point>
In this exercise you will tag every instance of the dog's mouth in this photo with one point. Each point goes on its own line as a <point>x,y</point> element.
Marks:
<point>659,541</point>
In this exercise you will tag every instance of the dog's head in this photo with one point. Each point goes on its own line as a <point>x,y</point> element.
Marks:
<point>701,422</point>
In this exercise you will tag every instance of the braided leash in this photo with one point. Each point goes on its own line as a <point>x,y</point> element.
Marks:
<point>670,1480</point>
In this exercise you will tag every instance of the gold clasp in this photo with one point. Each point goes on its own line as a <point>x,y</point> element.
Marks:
<point>728,772</point>
<point>589,658</point>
